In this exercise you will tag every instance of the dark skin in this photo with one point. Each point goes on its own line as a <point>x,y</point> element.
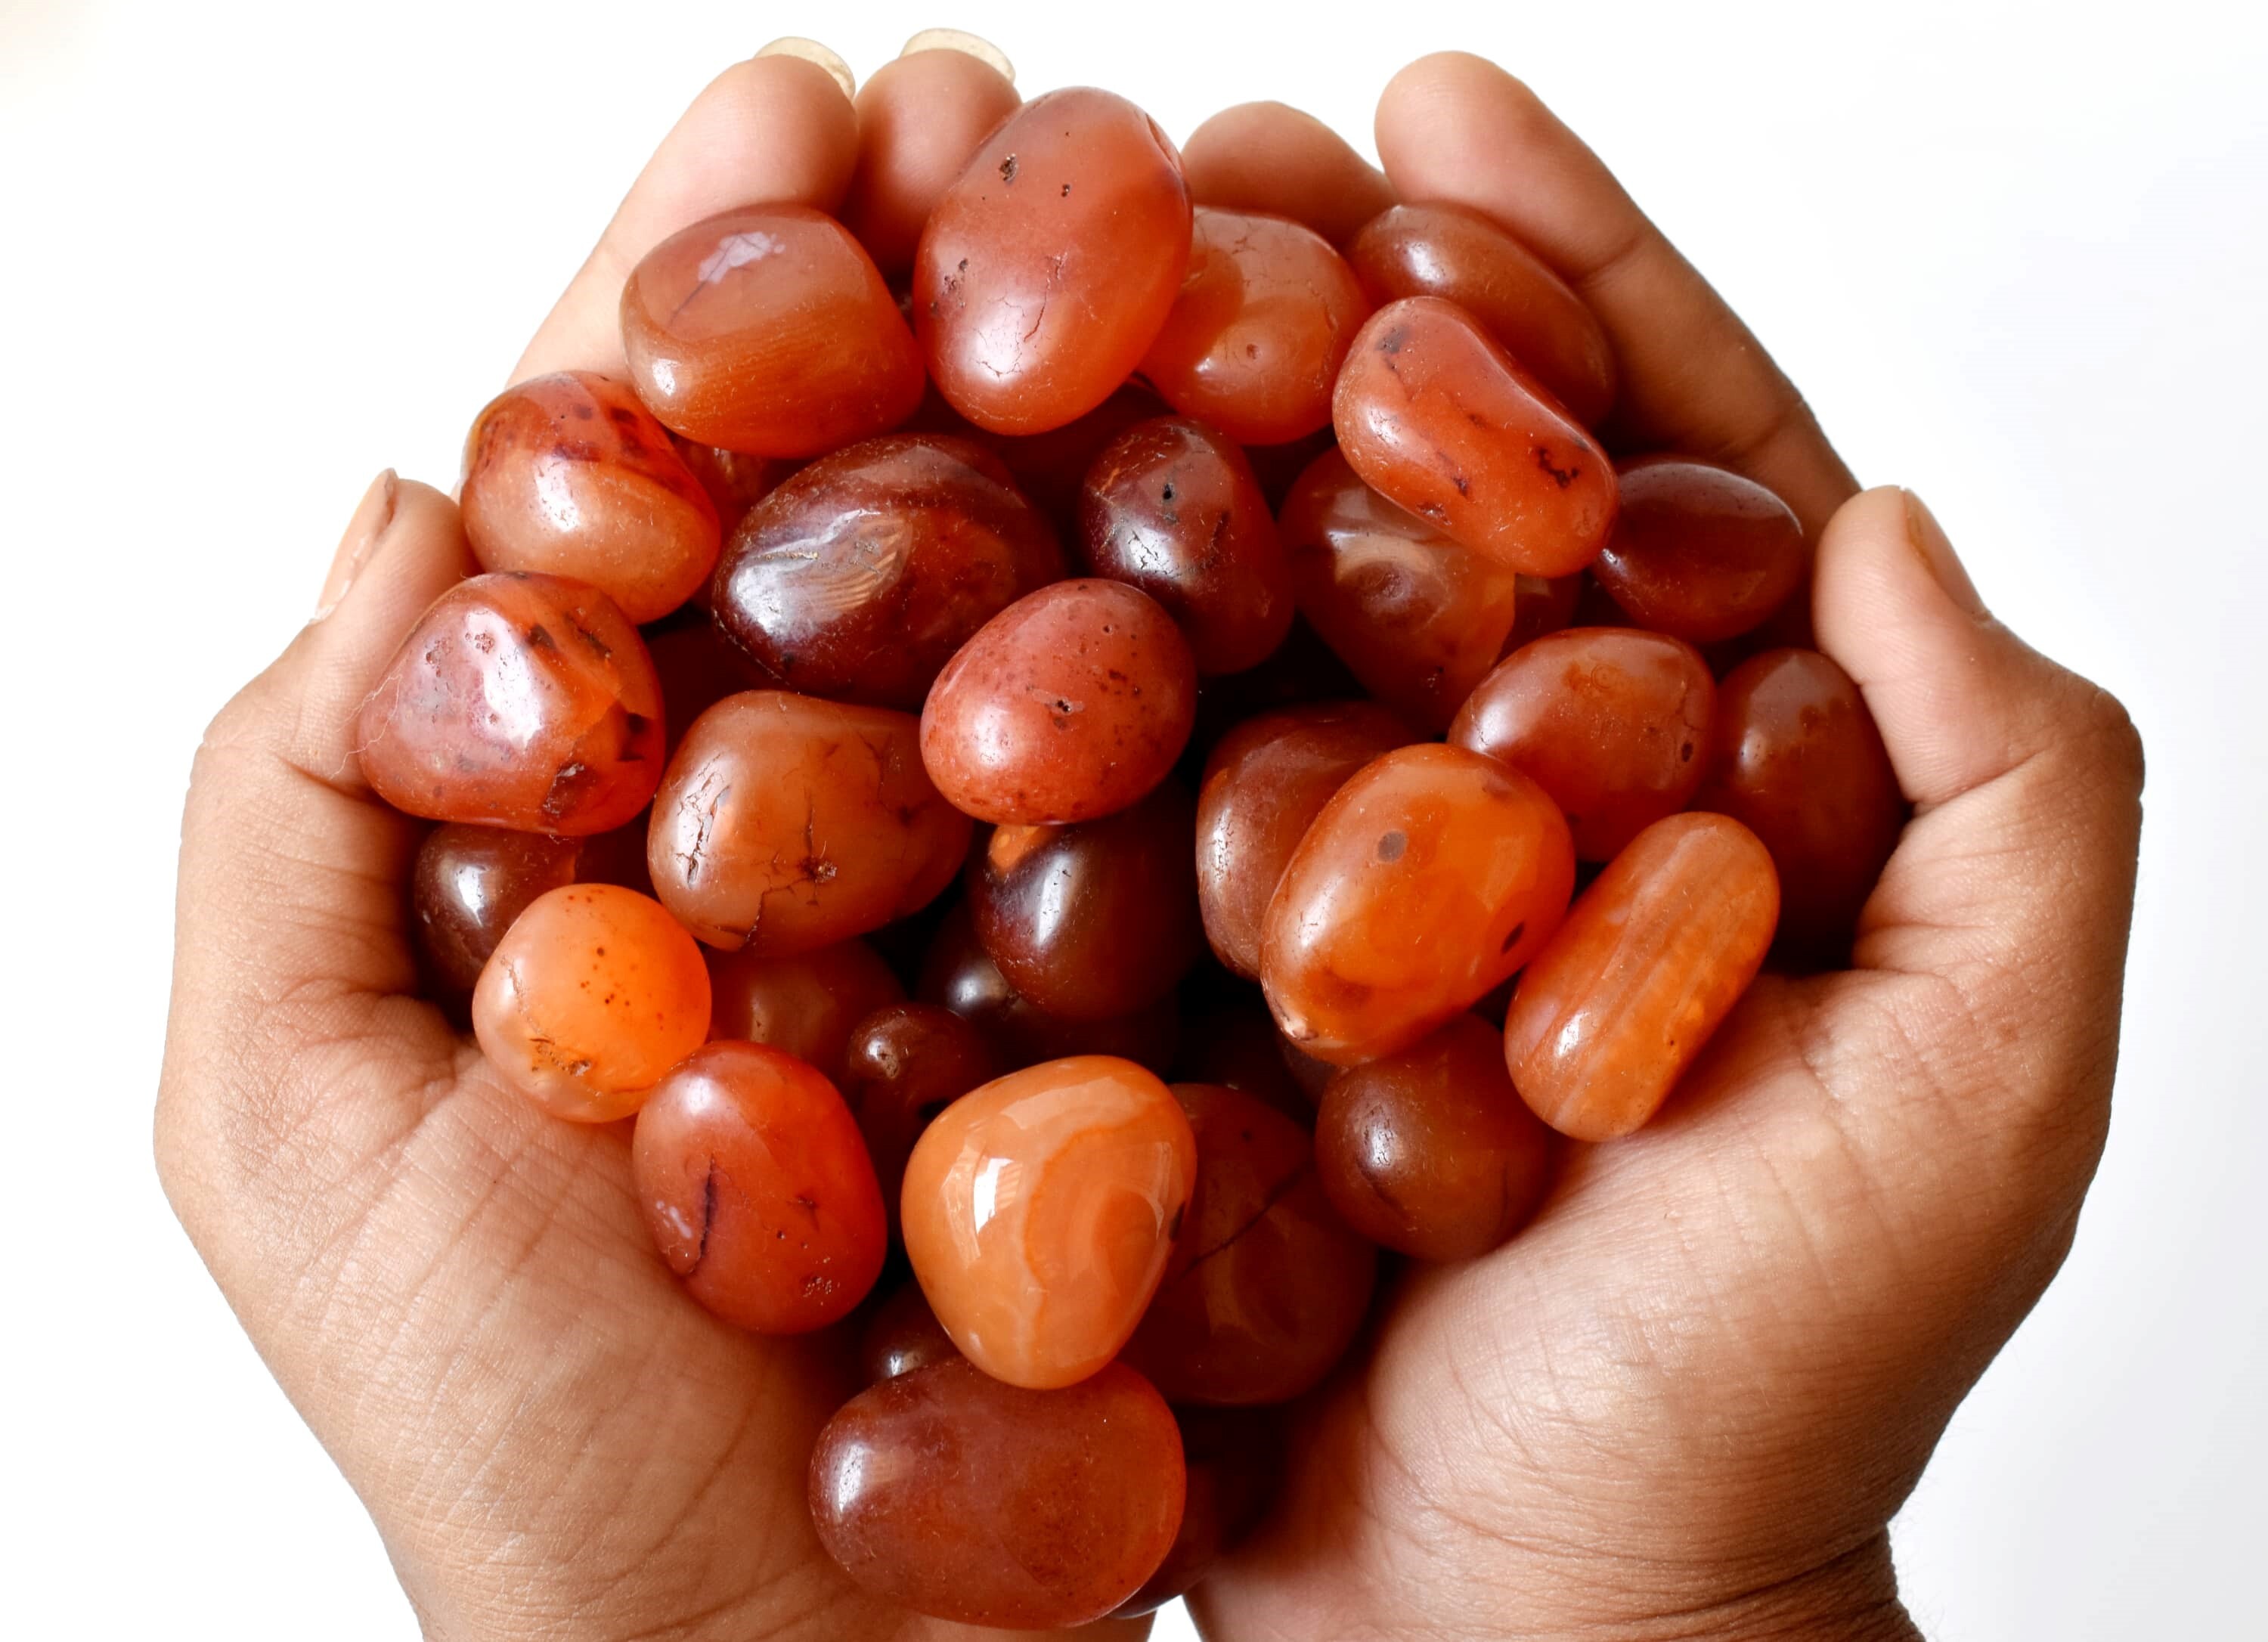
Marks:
<point>1684,1404</point>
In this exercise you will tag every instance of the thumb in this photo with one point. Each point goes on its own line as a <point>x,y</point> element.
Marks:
<point>1998,930</point>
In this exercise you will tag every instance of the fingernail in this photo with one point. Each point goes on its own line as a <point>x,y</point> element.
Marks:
<point>1935,550</point>
<point>811,51</point>
<point>961,40</point>
<point>372,515</point>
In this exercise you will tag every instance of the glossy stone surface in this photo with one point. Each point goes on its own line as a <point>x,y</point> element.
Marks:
<point>949,1493</point>
<point>1096,919</point>
<point>1234,1458</point>
<point>470,883</point>
<point>767,330</point>
<point>1440,250</point>
<point>959,974</point>
<point>1649,962</point>
<point>903,1065</point>
<point>1699,550</point>
<point>861,576</point>
<point>1432,1151</point>
<point>757,1187</point>
<point>571,475</point>
<point>592,996</point>
<point>1040,1212</point>
<point>1266,1287</point>
<point>804,1005</point>
<point>786,822</point>
<point>1071,703</point>
<point>1045,270</point>
<point>902,1335</point>
<point>1799,762</point>
<point>1172,507</point>
<point>1614,722</point>
<point>734,482</point>
<point>1417,618</point>
<point>1436,416</point>
<point>1266,314</point>
<point>1429,877</point>
<point>1264,785</point>
<point>517,701</point>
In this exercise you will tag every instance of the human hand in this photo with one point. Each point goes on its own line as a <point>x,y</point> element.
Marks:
<point>458,1292</point>
<point>1686,1400</point>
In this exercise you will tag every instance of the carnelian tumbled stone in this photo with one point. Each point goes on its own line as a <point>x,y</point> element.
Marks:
<point>904,1064</point>
<point>1432,1151</point>
<point>593,993</point>
<point>805,1005</point>
<point>767,330</point>
<point>1418,619</point>
<point>518,701</point>
<point>757,1187</point>
<point>1699,550</point>
<point>901,1336</point>
<point>570,475</point>
<point>1266,314</point>
<point>947,1492</point>
<point>1429,877</point>
<point>1040,1212</point>
<point>1171,507</point>
<point>1095,918</point>
<point>1647,964</point>
<point>859,578</point>
<point>1235,1459</point>
<point>1434,250</point>
<point>1612,722</point>
<point>470,883</point>
<point>1435,415</point>
<point>959,974</point>
<point>734,482</point>
<point>786,822</point>
<point>1071,703</point>
<point>1046,269</point>
<point>1266,782</point>
<point>1265,1288</point>
<point>1800,763</point>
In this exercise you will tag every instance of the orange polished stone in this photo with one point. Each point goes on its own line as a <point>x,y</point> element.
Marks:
<point>1434,250</point>
<point>1646,967</point>
<point>470,883</point>
<point>1430,1151</point>
<point>1699,550</point>
<point>593,993</point>
<point>861,576</point>
<point>1799,763</point>
<point>1264,785</point>
<point>518,701</point>
<point>767,330</point>
<point>1172,507</point>
<point>786,822</point>
<point>1435,415</point>
<point>1040,1212</point>
<point>571,475</point>
<point>757,1187</point>
<point>944,1491</point>
<point>805,1005</point>
<point>1266,314</point>
<point>1418,619</point>
<point>1429,876</point>
<point>1614,722</point>
<point>1266,1287</point>
<point>1071,703</point>
<point>1045,270</point>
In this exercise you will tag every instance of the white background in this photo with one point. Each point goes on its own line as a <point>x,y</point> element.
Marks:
<point>2018,256</point>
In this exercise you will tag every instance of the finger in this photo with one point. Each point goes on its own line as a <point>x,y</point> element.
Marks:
<point>1998,933</point>
<point>1456,127</point>
<point>919,120</point>
<point>775,127</point>
<point>1267,157</point>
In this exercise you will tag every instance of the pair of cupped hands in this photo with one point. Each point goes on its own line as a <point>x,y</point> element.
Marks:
<point>1684,1402</point>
